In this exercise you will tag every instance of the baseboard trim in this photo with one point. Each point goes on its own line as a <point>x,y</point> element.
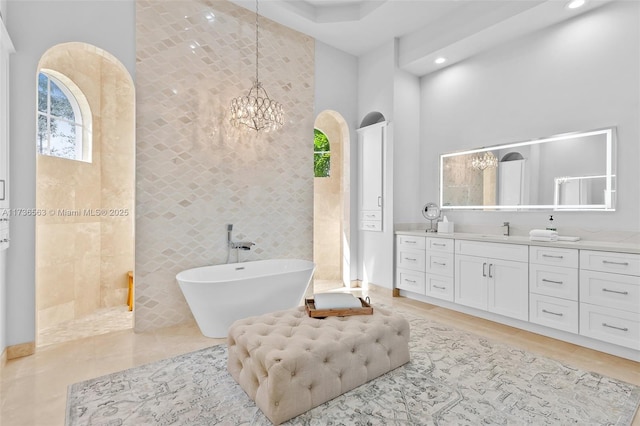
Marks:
<point>18,351</point>
<point>3,359</point>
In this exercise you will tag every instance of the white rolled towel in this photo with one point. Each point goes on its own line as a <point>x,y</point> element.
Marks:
<point>543,233</point>
<point>336,301</point>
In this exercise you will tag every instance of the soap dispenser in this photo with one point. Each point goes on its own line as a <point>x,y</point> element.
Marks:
<point>551,226</point>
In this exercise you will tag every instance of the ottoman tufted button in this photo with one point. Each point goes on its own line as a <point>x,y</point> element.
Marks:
<point>326,360</point>
<point>293,373</point>
<point>276,403</point>
<point>353,350</point>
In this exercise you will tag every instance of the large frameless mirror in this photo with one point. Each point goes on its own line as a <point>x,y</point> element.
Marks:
<point>572,171</point>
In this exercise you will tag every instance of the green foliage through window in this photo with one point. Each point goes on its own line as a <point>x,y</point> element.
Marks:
<point>321,154</point>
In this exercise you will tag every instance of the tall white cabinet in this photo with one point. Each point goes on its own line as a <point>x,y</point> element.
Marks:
<point>371,140</point>
<point>6,48</point>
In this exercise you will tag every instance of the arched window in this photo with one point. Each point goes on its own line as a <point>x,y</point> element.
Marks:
<point>321,154</point>
<point>64,123</point>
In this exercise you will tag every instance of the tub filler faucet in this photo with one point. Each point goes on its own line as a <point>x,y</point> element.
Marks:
<point>236,245</point>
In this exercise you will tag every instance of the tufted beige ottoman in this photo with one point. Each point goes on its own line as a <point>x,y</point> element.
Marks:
<point>289,363</point>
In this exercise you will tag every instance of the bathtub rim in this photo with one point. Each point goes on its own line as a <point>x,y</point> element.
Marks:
<point>305,265</point>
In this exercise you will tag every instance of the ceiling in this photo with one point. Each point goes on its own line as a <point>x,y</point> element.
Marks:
<point>425,29</point>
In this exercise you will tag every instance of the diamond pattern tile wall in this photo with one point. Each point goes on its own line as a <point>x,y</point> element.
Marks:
<point>195,173</point>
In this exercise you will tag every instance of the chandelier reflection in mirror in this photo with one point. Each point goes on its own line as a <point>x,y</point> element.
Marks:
<point>256,110</point>
<point>484,161</point>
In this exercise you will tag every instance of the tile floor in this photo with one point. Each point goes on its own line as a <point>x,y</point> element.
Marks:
<point>103,321</point>
<point>33,389</point>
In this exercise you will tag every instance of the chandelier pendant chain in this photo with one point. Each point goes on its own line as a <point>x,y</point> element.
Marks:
<point>257,43</point>
<point>256,110</point>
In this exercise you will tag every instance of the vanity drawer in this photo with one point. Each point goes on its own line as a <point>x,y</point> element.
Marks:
<point>619,263</point>
<point>554,256</point>
<point>553,281</point>
<point>371,215</point>
<point>554,312</point>
<point>410,259</point>
<point>610,325</point>
<point>410,281</point>
<point>611,290</point>
<point>517,252</point>
<point>440,244</point>
<point>410,241</point>
<point>371,225</point>
<point>439,287</point>
<point>439,263</point>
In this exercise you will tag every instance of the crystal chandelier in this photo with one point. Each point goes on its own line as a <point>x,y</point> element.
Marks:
<point>484,161</point>
<point>256,110</point>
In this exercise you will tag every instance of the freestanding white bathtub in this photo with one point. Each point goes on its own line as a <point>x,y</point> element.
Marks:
<point>218,295</point>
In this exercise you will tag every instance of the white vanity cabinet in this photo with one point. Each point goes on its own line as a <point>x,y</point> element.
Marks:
<point>493,277</point>
<point>410,263</point>
<point>439,267</point>
<point>553,287</point>
<point>610,297</point>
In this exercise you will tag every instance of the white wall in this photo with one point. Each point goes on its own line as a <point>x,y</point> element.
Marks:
<point>376,93</point>
<point>578,75</point>
<point>35,26</point>
<point>336,89</point>
<point>406,188</point>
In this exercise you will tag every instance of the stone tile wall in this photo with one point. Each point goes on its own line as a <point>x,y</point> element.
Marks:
<point>195,174</point>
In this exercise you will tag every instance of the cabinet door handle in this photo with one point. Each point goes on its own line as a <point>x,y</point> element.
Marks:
<point>439,287</point>
<point>559,314</point>
<point>490,265</point>
<point>604,324</point>
<point>551,281</point>
<point>616,263</point>
<point>440,263</point>
<point>439,244</point>
<point>554,257</point>
<point>380,201</point>
<point>484,269</point>
<point>615,291</point>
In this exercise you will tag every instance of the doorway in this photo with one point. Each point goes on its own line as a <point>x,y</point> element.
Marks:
<point>85,180</point>
<point>331,223</point>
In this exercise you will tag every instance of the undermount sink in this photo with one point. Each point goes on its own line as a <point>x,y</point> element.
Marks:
<point>495,237</point>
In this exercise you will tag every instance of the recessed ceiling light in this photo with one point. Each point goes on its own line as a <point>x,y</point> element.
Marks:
<point>574,4</point>
<point>440,60</point>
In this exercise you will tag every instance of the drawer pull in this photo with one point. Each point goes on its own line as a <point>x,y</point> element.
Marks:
<point>410,259</point>
<point>616,263</point>
<point>409,242</point>
<point>615,291</point>
<point>439,244</point>
<point>439,287</point>
<point>551,281</point>
<point>554,257</point>
<point>410,281</point>
<point>604,324</point>
<point>440,263</point>
<point>559,314</point>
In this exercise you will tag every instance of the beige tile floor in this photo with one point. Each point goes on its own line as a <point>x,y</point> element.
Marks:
<point>33,389</point>
<point>103,321</point>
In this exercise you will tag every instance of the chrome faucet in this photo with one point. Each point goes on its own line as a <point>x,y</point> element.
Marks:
<point>505,228</point>
<point>239,245</point>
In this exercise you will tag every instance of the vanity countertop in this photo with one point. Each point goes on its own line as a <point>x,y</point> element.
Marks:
<point>517,239</point>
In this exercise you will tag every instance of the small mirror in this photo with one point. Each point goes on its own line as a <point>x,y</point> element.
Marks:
<point>431,211</point>
<point>572,171</point>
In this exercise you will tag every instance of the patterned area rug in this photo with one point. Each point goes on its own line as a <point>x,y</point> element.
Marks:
<point>453,378</point>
